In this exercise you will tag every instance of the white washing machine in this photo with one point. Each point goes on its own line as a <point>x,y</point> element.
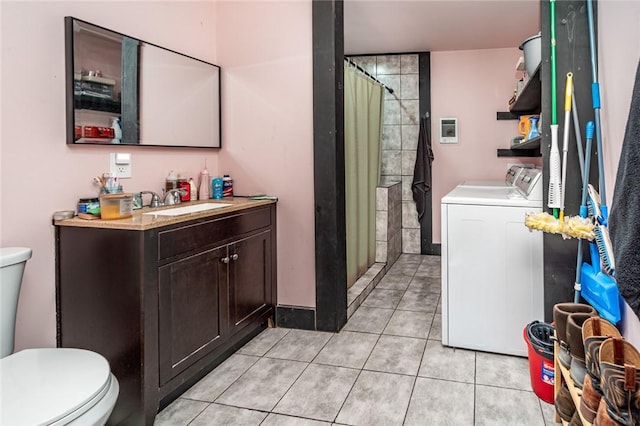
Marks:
<point>492,266</point>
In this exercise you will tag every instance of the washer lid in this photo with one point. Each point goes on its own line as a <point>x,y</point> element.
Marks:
<point>40,386</point>
<point>488,197</point>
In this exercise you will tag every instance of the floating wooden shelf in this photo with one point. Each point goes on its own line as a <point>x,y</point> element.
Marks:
<point>529,99</point>
<point>530,148</point>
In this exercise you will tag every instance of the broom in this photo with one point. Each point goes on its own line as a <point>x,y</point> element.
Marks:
<point>554,156</point>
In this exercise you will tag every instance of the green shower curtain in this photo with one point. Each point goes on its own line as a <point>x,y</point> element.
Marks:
<point>363,107</point>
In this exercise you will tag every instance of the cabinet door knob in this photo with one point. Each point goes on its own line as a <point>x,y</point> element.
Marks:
<point>234,256</point>
<point>225,259</point>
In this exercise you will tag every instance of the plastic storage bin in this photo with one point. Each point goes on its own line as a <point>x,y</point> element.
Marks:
<point>116,206</point>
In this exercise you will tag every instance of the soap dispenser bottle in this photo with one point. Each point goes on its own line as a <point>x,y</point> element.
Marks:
<point>117,130</point>
<point>205,182</point>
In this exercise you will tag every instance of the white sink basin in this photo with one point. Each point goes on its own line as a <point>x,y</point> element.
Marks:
<point>177,211</point>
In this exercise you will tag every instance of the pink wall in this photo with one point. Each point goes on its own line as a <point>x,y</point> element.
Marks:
<point>39,173</point>
<point>619,52</point>
<point>266,57</point>
<point>471,85</point>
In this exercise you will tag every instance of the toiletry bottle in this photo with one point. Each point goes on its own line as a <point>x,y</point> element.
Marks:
<point>184,185</point>
<point>117,130</point>
<point>205,181</point>
<point>216,188</point>
<point>193,194</point>
<point>227,186</point>
<point>171,182</point>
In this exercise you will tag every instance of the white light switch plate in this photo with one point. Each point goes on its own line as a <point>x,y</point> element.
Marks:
<point>120,165</point>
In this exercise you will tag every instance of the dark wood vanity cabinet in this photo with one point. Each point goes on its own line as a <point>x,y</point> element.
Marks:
<point>209,296</point>
<point>192,310</point>
<point>165,305</point>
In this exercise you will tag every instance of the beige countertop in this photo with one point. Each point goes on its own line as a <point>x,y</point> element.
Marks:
<point>141,221</point>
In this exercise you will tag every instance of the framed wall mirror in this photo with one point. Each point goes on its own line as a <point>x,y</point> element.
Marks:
<point>121,90</point>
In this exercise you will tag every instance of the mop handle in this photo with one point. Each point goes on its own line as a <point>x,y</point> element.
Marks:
<point>587,165</point>
<point>567,93</point>
<point>554,108</point>
<point>595,97</point>
<point>565,140</point>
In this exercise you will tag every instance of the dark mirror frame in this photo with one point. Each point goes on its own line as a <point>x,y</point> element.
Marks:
<point>128,98</point>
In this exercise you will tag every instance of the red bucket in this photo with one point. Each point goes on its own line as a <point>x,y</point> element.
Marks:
<point>541,367</point>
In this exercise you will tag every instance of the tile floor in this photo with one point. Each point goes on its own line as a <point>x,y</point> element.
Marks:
<point>386,367</point>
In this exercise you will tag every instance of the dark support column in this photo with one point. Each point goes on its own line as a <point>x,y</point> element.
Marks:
<point>572,54</point>
<point>328,152</point>
<point>426,225</point>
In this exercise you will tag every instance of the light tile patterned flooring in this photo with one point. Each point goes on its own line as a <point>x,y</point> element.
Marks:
<point>386,367</point>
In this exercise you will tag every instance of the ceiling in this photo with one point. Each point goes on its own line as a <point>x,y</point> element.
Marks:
<point>394,26</point>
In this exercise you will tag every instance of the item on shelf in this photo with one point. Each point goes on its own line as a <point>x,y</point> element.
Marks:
<point>98,132</point>
<point>576,347</point>
<point>171,182</point>
<point>533,128</point>
<point>620,381</point>
<point>216,188</point>
<point>93,89</point>
<point>526,123</point>
<point>565,407</point>
<point>193,191</point>
<point>183,183</point>
<point>561,312</point>
<point>227,186</point>
<point>205,182</point>
<point>89,205</point>
<point>116,206</point>
<point>117,130</point>
<point>532,53</point>
<point>517,140</point>
<point>595,330</point>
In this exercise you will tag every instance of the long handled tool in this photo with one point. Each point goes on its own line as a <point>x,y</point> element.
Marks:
<point>554,155</point>
<point>599,288</point>
<point>601,231</point>
<point>565,140</point>
<point>583,207</point>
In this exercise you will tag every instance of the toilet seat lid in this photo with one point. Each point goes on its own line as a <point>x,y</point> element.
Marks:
<point>41,386</point>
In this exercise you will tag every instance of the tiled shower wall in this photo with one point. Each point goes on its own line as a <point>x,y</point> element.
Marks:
<point>399,132</point>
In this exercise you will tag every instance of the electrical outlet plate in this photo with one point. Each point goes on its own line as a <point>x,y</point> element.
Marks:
<point>120,165</point>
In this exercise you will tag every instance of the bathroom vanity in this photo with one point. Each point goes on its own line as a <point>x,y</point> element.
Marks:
<point>165,298</point>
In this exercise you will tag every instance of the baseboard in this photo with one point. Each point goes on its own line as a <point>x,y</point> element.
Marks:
<point>299,317</point>
<point>434,249</point>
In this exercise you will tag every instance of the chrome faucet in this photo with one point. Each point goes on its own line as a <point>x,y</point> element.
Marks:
<point>155,199</point>
<point>173,196</point>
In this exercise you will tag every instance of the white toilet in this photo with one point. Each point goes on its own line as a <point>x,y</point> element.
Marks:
<point>52,386</point>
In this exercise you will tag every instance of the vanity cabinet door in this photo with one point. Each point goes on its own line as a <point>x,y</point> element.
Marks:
<point>192,310</point>
<point>249,279</point>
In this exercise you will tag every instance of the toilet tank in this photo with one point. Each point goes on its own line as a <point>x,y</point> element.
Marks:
<point>12,263</point>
